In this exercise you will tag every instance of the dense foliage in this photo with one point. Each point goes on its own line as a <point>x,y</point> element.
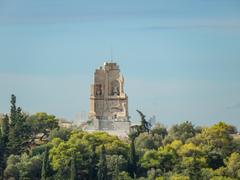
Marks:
<point>35,147</point>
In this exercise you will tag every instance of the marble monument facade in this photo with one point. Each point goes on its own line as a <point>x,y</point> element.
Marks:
<point>108,100</point>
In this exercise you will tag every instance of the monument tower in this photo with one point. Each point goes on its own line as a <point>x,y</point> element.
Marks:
<point>108,100</point>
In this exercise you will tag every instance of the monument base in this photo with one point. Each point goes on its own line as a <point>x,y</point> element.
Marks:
<point>116,127</point>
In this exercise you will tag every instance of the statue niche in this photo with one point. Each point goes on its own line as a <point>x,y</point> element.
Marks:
<point>115,88</point>
<point>98,90</point>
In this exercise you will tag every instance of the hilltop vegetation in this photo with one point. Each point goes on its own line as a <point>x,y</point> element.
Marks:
<point>35,147</point>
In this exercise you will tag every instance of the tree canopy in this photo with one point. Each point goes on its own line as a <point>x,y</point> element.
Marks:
<point>33,146</point>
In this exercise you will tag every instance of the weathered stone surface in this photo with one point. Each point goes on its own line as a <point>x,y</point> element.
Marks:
<point>108,100</point>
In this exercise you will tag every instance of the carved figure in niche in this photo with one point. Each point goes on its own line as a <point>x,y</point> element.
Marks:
<point>115,91</point>
<point>98,90</point>
<point>115,88</point>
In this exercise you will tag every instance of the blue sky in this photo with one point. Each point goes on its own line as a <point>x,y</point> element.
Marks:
<point>180,59</point>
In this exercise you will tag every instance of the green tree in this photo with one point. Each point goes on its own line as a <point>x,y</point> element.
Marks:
<point>93,168</point>
<point>179,177</point>
<point>214,159</point>
<point>62,133</point>
<point>102,167</point>
<point>192,167</point>
<point>81,145</point>
<point>164,159</point>
<point>73,174</point>
<point>115,164</point>
<point>116,171</point>
<point>124,176</point>
<point>192,160</point>
<point>233,165</point>
<point>29,167</point>
<point>19,132</point>
<point>93,162</point>
<point>5,128</point>
<point>207,173</point>
<point>3,143</point>
<point>147,141</point>
<point>190,150</point>
<point>145,125</point>
<point>152,174</point>
<point>11,170</point>
<point>46,168</point>
<point>150,159</point>
<point>2,150</point>
<point>132,160</point>
<point>160,130</point>
<point>221,178</point>
<point>41,123</point>
<point>13,110</point>
<point>23,167</point>
<point>182,132</point>
<point>217,138</point>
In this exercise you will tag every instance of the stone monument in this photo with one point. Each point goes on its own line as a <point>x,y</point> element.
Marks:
<point>108,101</point>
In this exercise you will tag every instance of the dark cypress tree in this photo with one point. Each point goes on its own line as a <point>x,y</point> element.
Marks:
<point>23,130</point>
<point>13,137</point>
<point>93,163</point>
<point>136,130</point>
<point>102,169</point>
<point>132,160</point>
<point>1,155</point>
<point>145,125</point>
<point>13,141</point>
<point>3,144</point>
<point>13,110</point>
<point>5,128</point>
<point>116,171</point>
<point>73,174</point>
<point>46,169</point>
<point>18,131</point>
